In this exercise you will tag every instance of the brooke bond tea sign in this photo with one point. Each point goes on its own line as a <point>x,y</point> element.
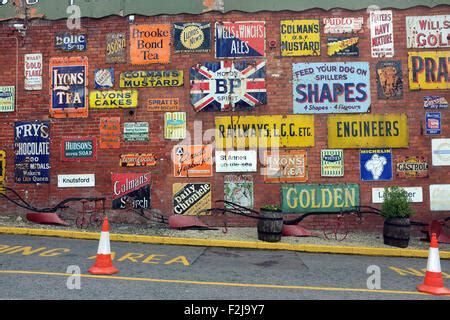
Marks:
<point>285,166</point>
<point>192,161</point>
<point>429,70</point>
<point>228,85</point>
<point>68,87</point>
<point>411,167</point>
<point>240,39</point>
<point>192,36</point>
<point>150,44</point>
<point>300,37</point>
<point>343,25</point>
<point>32,152</point>
<point>382,34</point>
<point>115,48</point>
<point>33,71</point>
<point>7,98</point>
<point>389,80</point>
<point>131,185</point>
<point>78,149</point>
<point>428,32</point>
<point>334,87</point>
<point>191,198</point>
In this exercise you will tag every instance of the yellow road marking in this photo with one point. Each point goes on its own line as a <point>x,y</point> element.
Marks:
<point>211,283</point>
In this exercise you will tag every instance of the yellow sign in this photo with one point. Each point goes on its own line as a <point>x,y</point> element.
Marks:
<point>429,70</point>
<point>368,131</point>
<point>144,79</point>
<point>300,37</point>
<point>264,131</point>
<point>113,99</point>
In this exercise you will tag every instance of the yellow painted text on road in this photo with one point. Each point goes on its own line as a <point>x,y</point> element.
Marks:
<point>148,259</point>
<point>415,272</point>
<point>27,250</point>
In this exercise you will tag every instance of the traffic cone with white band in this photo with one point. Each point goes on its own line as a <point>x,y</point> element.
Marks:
<point>103,263</point>
<point>433,282</point>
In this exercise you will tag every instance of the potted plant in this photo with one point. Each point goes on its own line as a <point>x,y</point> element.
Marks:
<point>396,210</point>
<point>270,223</point>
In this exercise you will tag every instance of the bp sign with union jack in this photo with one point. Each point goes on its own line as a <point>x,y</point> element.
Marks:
<point>228,85</point>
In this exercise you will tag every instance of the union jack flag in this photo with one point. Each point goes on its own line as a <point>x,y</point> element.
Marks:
<point>228,85</point>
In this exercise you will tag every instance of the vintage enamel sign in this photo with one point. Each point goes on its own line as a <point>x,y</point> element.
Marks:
<point>151,79</point>
<point>242,39</point>
<point>192,37</point>
<point>285,166</point>
<point>415,194</point>
<point>135,131</point>
<point>343,46</point>
<point>112,99</point>
<point>150,43</point>
<point>33,71</point>
<point>368,130</point>
<point>375,164</point>
<point>411,167</point>
<point>71,42</point>
<point>239,190</point>
<point>382,33</point>
<point>435,102</point>
<point>236,161</point>
<point>7,98</point>
<point>110,133</point>
<point>428,32</point>
<point>440,150</point>
<point>192,161</point>
<point>68,87</point>
<point>163,104</point>
<point>137,160</point>
<point>104,78</point>
<point>429,70</point>
<point>191,198</point>
<point>175,125</point>
<point>433,123</point>
<point>32,152</point>
<point>338,87</point>
<point>319,197</point>
<point>300,37</point>
<point>76,180</point>
<point>116,48</point>
<point>78,149</point>
<point>389,80</point>
<point>264,131</point>
<point>131,185</point>
<point>343,24</point>
<point>332,163</point>
<point>228,85</point>
<point>439,195</point>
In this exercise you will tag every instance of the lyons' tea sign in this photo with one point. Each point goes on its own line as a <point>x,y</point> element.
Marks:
<point>319,197</point>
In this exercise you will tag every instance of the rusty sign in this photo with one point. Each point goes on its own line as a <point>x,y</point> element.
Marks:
<point>300,37</point>
<point>137,160</point>
<point>150,43</point>
<point>116,48</point>
<point>429,70</point>
<point>343,25</point>
<point>163,104</point>
<point>68,87</point>
<point>192,161</point>
<point>110,133</point>
<point>285,166</point>
<point>411,167</point>
<point>150,79</point>
<point>389,80</point>
<point>228,85</point>
<point>382,33</point>
<point>428,32</point>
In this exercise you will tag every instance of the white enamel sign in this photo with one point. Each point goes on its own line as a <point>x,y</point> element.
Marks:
<point>76,180</point>
<point>414,193</point>
<point>236,161</point>
<point>440,197</point>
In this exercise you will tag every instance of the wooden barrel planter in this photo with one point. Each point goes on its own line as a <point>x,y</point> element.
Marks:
<point>396,232</point>
<point>270,225</point>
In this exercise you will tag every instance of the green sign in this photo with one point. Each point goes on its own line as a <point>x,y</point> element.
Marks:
<point>135,131</point>
<point>319,197</point>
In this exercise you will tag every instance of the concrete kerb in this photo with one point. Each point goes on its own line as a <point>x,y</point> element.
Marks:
<point>394,252</point>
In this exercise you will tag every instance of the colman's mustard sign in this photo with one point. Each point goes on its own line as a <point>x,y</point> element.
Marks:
<point>429,70</point>
<point>368,131</point>
<point>265,131</point>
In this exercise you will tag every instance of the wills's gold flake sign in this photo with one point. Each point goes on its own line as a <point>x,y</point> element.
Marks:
<point>368,131</point>
<point>429,70</point>
<point>264,131</point>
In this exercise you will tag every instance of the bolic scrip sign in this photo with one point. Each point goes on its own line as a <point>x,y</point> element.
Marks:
<point>319,197</point>
<point>389,80</point>
<point>191,198</point>
<point>300,37</point>
<point>78,149</point>
<point>150,44</point>
<point>368,130</point>
<point>336,87</point>
<point>131,186</point>
<point>228,85</point>
<point>32,152</point>
<point>429,70</point>
<point>428,32</point>
<point>192,37</point>
<point>382,33</point>
<point>71,42</point>
<point>192,161</point>
<point>240,39</point>
<point>150,79</point>
<point>264,131</point>
<point>68,87</point>
<point>285,166</point>
<point>411,167</point>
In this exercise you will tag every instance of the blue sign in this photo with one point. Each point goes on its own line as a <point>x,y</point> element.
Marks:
<point>71,42</point>
<point>32,152</point>
<point>192,37</point>
<point>375,164</point>
<point>435,102</point>
<point>104,78</point>
<point>68,87</point>
<point>433,123</point>
<point>331,87</point>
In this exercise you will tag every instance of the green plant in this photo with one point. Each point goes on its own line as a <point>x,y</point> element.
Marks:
<point>271,207</point>
<point>396,203</point>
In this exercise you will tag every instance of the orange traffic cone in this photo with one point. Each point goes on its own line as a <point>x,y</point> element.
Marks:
<point>433,283</point>
<point>103,263</point>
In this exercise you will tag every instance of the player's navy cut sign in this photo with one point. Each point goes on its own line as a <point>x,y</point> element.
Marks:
<point>228,85</point>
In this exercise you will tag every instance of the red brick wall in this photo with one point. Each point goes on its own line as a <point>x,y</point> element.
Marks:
<point>34,105</point>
